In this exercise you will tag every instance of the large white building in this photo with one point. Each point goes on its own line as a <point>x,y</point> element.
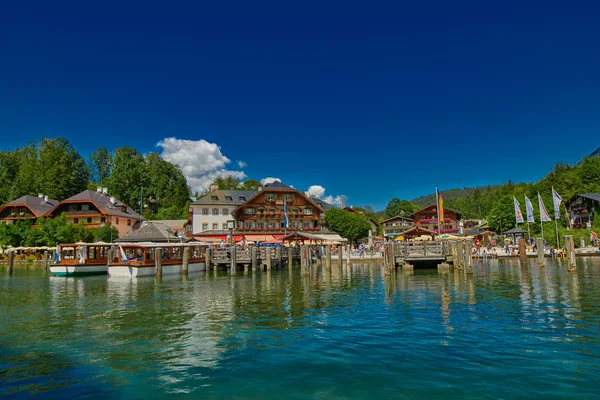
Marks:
<point>211,212</point>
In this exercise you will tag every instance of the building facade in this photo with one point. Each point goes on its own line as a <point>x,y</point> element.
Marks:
<point>427,218</point>
<point>396,225</point>
<point>26,208</point>
<point>211,212</point>
<point>582,208</point>
<point>265,211</point>
<point>95,209</point>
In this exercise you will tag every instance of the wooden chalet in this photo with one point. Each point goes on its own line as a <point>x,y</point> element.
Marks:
<point>428,218</point>
<point>26,208</point>
<point>95,209</point>
<point>394,226</point>
<point>264,212</point>
<point>582,208</point>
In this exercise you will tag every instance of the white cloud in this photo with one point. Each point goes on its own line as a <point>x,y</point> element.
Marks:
<point>266,181</point>
<point>318,191</point>
<point>242,164</point>
<point>200,161</point>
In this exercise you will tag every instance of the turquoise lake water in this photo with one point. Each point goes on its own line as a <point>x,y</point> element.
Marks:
<point>505,332</point>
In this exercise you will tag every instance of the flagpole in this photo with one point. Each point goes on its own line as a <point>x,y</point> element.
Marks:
<point>528,233</point>
<point>556,226</point>
<point>437,202</point>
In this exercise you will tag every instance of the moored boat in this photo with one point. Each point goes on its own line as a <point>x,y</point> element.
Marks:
<point>81,259</point>
<point>138,259</point>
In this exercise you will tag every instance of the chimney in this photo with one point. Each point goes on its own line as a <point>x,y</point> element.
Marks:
<point>112,200</point>
<point>259,188</point>
<point>342,203</point>
<point>213,187</point>
<point>40,195</point>
<point>46,198</point>
<point>105,190</point>
<point>99,189</point>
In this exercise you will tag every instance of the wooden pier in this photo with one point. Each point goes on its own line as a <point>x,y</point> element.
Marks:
<point>263,258</point>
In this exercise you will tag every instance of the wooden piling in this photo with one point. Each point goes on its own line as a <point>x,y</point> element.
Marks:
<point>341,254</point>
<point>443,266</point>
<point>328,257</point>
<point>408,267</point>
<point>349,247</point>
<point>158,261</point>
<point>207,259</point>
<point>468,257</point>
<point>570,246</point>
<point>233,259</point>
<point>11,261</point>
<point>290,251</point>
<point>46,257</point>
<point>539,244</point>
<point>277,257</point>
<point>523,249</point>
<point>268,258</point>
<point>186,260</point>
<point>254,257</point>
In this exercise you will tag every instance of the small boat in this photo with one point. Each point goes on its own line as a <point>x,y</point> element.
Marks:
<point>137,259</point>
<point>81,259</point>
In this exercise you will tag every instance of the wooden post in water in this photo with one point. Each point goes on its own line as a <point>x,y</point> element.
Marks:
<point>186,260</point>
<point>277,257</point>
<point>523,249</point>
<point>468,258</point>
<point>11,261</point>
<point>341,253</point>
<point>570,246</point>
<point>393,255</point>
<point>207,259</point>
<point>328,257</point>
<point>268,257</point>
<point>46,256</point>
<point>233,256</point>
<point>290,251</point>
<point>539,244</point>
<point>158,261</point>
<point>254,257</point>
<point>348,254</point>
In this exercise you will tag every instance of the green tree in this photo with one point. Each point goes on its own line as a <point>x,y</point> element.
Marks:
<point>9,168</point>
<point>107,234</point>
<point>62,171</point>
<point>397,207</point>
<point>227,182</point>
<point>250,184</point>
<point>27,179</point>
<point>100,165</point>
<point>167,185</point>
<point>348,225</point>
<point>129,176</point>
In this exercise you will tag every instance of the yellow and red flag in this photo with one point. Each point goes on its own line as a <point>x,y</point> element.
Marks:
<point>441,208</point>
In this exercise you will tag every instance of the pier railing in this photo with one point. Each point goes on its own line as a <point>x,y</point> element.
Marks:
<point>420,249</point>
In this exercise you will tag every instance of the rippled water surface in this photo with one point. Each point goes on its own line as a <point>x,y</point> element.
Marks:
<point>505,332</point>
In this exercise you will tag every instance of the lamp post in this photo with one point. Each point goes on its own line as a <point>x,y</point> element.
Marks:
<point>231,227</point>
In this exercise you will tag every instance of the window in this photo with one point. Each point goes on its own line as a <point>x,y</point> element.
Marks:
<point>205,226</point>
<point>248,225</point>
<point>249,211</point>
<point>116,221</point>
<point>85,207</point>
<point>226,211</point>
<point>228,198</point>
<point>260,225</point>
<point>215,226</point>
<point>306,225</point>
<point>102,219</point>
<point>75,220</point>
<point>224,226</point>
<point>308,211</point>
<point>128,222</point>
<point>272,210</point>
<point>288,196</point>
<point>270,196</point>
<point>215,198</point>
<point>242,198</point>
<point>261,210</point>
<point>215,211</point>
<point>89,220</point>
<point>271,225</point>
<point>295,210</point>
<point>205,211</point>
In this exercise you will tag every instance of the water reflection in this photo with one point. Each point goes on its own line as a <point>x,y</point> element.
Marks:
<point>193,334</point>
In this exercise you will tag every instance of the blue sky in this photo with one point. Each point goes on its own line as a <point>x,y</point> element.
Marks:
<point>370,100</point>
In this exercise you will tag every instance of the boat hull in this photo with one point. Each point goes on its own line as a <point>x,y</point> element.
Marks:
<point>135,271</point>
<point>78,270</point>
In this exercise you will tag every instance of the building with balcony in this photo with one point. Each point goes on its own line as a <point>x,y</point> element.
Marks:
<point>95,209</point>
<point>265,211</point>
<point>427,218</point>
<point>210,213</point>
<point>26,208</point>
<point>582,208</point>
<point>395,226</point>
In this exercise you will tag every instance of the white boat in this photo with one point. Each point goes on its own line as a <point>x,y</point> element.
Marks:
<point>81,259</point>
<point>137,259</point>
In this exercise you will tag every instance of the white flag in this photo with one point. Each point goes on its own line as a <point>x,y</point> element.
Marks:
<point>556,200</point>
<point>529,210</point>
<point>544,217</point>
<point>518,213</point>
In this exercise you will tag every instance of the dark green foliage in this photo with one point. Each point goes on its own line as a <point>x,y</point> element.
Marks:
<point>348,225</point>
<point>167,185</point>
<point>403,208</point>
<point>100,166</point>
<point>129,176</point>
